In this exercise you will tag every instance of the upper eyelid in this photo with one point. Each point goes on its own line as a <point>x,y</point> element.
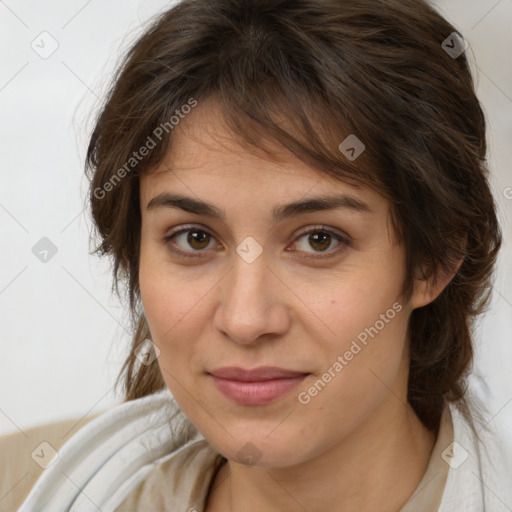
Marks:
<point>314,227</point>
<point>322,227</point>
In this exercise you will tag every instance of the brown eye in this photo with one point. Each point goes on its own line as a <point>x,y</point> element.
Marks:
<point>188,241</point>
<point>197,238</point>
<point>194,242</point>
<point>320,240</point>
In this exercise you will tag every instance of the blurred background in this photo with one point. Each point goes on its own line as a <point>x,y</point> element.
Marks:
<point>63,334</point>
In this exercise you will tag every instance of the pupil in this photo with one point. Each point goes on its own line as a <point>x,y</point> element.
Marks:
<point>195,237</point>
<point>325,237</point>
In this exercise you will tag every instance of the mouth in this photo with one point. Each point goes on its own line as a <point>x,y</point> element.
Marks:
<point>256,387</point>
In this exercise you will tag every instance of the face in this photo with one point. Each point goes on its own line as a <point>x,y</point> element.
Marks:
<point>308,290</point>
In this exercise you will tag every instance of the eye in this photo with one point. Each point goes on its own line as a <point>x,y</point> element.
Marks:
<point>196,238</point>
<point>199,240</point>
<point>320,239</point>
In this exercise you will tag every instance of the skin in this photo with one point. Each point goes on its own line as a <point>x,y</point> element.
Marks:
<point>357,444</point>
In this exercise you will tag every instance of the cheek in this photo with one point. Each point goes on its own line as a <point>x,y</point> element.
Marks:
<point>166,314</point>
<point>363,362</point>
<point>366,328</point>
<point>164,296</point>
<point>348,303</point>
<point>175,304</point>
<point>163,305</point>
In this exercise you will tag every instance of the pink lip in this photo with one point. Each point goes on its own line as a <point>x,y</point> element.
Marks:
<point>255,387</point>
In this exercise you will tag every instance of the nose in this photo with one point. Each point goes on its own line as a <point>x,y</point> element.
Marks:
<point>252,303</point>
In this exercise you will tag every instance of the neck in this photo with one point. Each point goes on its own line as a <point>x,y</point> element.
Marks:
<point>378,467</point>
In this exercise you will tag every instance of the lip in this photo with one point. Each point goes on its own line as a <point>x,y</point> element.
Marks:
<point>258,386</point>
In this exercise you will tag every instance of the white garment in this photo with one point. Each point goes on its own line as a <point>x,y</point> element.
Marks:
<point>480,483</point>
<point>98,466</point>
<point>102,463</point>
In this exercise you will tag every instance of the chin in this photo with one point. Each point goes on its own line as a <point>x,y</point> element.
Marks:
<point>261,451</point>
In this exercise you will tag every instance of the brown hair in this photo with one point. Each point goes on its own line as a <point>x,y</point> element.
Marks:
<point>377,69</point>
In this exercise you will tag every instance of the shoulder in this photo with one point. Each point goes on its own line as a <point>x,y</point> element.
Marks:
<point>27,453</point>
<point>479,473</point>
<point>111,454</point>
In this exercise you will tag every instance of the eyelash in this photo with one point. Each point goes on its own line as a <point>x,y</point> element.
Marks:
<point>199,254</point>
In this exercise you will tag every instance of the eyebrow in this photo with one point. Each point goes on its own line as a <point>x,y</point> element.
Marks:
<point>311,204</point>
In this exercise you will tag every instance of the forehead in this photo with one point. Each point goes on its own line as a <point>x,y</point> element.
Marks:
<point>206,159</point>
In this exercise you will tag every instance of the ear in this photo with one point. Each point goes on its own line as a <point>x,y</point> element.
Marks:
<point>426,288</point>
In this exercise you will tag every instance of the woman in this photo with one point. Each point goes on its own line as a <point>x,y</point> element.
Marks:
<point>295,195</point>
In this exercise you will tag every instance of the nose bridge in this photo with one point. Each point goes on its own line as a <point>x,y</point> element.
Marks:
<point>248,285</point>
<point>250,268</point>
<point>247,301</point>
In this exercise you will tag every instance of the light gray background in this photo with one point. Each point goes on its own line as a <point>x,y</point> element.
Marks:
<point>63,335</point>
